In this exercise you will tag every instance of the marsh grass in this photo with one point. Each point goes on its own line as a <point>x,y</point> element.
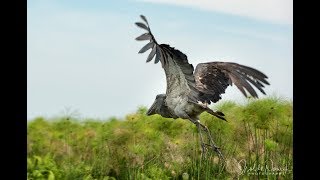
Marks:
<point>256,142</point>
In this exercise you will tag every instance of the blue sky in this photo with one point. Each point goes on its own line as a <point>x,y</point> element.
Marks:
<point>82,54</point>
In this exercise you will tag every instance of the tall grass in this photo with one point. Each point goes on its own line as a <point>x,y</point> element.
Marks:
<point>256,142</point>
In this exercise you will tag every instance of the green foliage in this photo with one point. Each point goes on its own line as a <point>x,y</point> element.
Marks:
<point>270,145</point>
<point>258,133</point>
<point>42,168</point>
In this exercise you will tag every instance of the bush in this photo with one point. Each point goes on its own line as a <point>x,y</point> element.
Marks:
<point>152,147</point>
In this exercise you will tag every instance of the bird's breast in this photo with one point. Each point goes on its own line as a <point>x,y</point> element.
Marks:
<point>181,103</point>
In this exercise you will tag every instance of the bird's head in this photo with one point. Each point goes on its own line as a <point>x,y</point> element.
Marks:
<point>157,105</point>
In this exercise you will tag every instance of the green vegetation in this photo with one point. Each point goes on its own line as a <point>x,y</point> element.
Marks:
<point>256,142</point>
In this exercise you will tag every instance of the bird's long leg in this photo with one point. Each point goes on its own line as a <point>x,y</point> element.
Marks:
<point>211,142</point>
<point>203,145</point>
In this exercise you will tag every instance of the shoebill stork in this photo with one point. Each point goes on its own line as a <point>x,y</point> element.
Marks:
<point>190,91</point>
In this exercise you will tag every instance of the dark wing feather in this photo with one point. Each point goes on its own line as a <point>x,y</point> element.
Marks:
<point>145,36</point>
<point>152,53</point>
<point>141,25</point>
<point>241,82</point>
<point>144,19</point>
<point>146,47</point>
<point>179,72</point>
<point>213,78</point>
<point>158,55</point>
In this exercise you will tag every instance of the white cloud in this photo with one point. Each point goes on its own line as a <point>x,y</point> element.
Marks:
<point>276,11</point>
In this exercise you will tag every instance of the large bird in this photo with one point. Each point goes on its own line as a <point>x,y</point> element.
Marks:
<point>190,91</point>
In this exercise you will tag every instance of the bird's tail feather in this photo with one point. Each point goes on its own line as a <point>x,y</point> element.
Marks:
<point>218,114</point>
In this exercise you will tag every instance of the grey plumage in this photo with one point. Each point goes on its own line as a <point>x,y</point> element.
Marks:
<point>146,47</point>
<point>189,90</point>
<point>145,36</point>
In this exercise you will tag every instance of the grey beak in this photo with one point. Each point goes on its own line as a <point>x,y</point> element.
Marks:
<point>151,110</point>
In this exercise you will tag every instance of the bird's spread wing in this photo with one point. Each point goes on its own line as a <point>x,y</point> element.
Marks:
<point>213,78</point>
<point>179,73</point>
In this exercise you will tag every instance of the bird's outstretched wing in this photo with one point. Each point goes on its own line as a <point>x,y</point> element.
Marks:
<point>213,78</point>
<point>179,73</point>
